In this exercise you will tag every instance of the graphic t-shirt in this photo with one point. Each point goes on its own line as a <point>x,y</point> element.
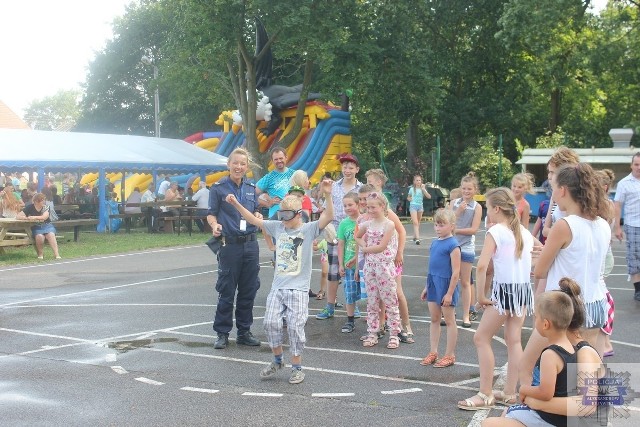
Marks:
<point>294,251</point>
<point>346,231</point>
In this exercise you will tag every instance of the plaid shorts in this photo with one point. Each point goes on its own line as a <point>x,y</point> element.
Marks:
<point>633,248</point>
<point>351,287</point>
<point>334,267</point>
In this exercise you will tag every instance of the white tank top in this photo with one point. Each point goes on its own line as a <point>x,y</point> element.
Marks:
<point>582,259</point>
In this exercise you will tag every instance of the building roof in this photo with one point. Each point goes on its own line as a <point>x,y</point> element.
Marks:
<point>63,151</point>
<point>600,156</point>
<point>9,119</point>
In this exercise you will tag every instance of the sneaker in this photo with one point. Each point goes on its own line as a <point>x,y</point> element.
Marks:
<point>356,313</point>
<point>417,241</point>
<point>324,314</point>
<point>271,370</point>
<point>297,376</point>
<point>473,316</point>
<point>339,305</point>
<point>348,327</point>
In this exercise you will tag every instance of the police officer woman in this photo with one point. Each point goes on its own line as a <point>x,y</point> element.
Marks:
<point>238,262</point>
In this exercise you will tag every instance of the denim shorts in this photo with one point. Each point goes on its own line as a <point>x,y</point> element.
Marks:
<point>44,228</point>
<point>468,252</point>
<point>416,208</point>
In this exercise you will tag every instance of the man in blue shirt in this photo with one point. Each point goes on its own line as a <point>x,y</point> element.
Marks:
<point>275,184</point>
<point>238,258</point>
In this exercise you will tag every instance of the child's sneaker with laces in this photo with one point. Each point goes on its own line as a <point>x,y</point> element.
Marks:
<point>297,376</point>
<point>325,314</point>
<point>271,369</point>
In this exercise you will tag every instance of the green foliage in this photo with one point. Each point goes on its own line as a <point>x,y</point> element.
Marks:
<point>534,72</point>
<point>57,112</point>
<point>552,140</point>
<point>482,158</point>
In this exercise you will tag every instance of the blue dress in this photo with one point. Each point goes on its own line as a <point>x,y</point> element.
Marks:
<point>440,270</point>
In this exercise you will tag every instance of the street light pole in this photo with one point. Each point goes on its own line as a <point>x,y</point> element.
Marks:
<point>156,97</point>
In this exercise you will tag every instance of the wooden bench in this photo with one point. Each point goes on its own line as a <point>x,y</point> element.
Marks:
<point>76,224</point>
<point>17,235</point>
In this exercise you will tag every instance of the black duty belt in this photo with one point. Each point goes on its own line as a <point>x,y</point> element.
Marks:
<point>230,240</point>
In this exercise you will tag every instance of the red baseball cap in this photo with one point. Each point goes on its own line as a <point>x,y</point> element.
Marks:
<point>348,157</point>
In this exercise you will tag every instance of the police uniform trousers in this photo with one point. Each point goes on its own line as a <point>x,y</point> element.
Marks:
<point>238,267</point>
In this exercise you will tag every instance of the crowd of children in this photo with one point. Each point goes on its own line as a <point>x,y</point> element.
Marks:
<point>568,252</point>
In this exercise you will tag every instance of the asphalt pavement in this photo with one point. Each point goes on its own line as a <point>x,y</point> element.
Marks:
<point>127,340</point>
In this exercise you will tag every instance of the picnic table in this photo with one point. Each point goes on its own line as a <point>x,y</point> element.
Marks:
<point>16,232</point>
<point>148,207</point>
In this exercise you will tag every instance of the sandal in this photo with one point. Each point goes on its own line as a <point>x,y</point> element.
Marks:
<point>406,337</point>
<point>445,362</point>
<point>394,342</point>
<point>429,359</point>
<point>370,341</point>
<point>505,399</point>
<point>470,405</point>
<point>320,295</point>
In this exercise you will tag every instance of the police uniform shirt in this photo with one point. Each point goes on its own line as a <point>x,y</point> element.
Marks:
<point>227,215</point>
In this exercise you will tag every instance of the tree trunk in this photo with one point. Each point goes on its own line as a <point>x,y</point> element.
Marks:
<point>302,104</point>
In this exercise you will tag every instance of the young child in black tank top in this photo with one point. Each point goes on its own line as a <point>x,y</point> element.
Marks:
<point>553,312</point>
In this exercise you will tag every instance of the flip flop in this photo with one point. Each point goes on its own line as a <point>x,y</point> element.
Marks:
<point>320,295</point>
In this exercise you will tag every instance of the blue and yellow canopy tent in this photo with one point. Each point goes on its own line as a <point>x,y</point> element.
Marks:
<point>42,152</point>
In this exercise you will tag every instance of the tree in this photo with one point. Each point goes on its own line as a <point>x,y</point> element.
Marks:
<point>217,37</point>
<point>57,112</point>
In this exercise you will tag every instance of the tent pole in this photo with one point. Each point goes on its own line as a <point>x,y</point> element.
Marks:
<point>103,217</point>
<point>122,189</point>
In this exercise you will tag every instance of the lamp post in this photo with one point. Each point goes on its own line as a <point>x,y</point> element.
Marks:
<point>156,97</point>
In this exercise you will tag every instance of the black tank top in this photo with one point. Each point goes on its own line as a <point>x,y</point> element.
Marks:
<point>562,382</point>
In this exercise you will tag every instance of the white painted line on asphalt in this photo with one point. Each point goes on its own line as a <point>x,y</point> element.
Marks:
<point>145,336</point>
<point>248,393</point>
<point>200,390</point>
<point>76,261</point>
<point>336,350</point>
<point>332,394</point>
<point>465,382</point>
<point>402,391</point>
<point>111,357</point>
<point>38,334</point>
<point>148,381</point>
<point>119,370</point>
<point>478,417</point>
<point>307,368</point>
<point>144,282</point>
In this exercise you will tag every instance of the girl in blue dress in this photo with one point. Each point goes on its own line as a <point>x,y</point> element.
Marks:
<point>441,292</point>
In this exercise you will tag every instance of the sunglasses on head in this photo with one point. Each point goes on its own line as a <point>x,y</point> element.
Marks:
<point>287,215</point>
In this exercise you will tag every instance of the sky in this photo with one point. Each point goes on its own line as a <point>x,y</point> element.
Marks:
<point>46,45</point>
